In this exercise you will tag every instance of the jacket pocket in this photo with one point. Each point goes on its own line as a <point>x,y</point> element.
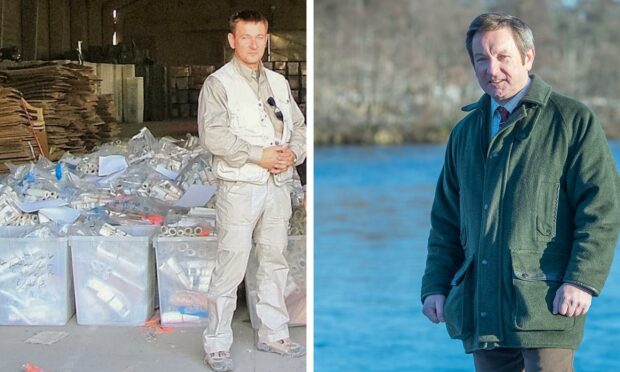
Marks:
<point>534,306</point>
<point>547,210</point>
<point>536,278</point>
<point>457,312</point>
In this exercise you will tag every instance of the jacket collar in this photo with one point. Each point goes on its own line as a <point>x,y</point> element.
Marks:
<point>538,94</point>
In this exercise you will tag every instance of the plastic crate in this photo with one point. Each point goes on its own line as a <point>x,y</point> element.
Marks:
<point>295,291</point>
<point>36,287</point>
<point>114,277</point>
<point>184,268</point>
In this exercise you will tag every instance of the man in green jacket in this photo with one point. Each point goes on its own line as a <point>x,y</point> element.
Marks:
<point>526,212</point>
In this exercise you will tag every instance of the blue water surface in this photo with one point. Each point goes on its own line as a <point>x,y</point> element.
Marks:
<point>372,208</point>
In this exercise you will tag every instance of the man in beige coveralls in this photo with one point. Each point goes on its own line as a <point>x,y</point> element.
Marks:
<point>249,121</point>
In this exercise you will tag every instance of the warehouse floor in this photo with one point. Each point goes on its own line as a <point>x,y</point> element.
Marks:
<point>136,349</point>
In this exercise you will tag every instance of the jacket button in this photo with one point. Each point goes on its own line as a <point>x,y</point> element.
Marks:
<point>486,206</point>
<point>483,314</point>
<point>484,262</point>
<point>524,276</point>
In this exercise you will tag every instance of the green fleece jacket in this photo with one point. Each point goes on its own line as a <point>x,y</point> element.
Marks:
<point>516,216</point>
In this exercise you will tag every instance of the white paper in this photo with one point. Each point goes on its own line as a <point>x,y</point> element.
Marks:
<point>196,196</point>
<point>166,172</point>
<point>30,207</point>
<point>60,214</point>
<point>111,164</point>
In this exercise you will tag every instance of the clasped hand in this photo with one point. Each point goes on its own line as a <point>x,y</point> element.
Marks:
<point>277,159</point>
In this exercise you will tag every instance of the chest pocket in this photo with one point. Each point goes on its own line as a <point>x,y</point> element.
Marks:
<point>547,210</point>
<point>250,122</point>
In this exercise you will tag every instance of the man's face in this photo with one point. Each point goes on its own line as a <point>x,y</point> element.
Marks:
<point>249,42</point>
<point>498,65</point>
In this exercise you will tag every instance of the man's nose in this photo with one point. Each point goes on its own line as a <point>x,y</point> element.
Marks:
<point>253,44</point>
<point>493,67</point>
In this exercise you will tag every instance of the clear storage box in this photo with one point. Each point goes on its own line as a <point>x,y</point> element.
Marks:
<point>35,279</point>
<point>184,268</point>
<point>114,277</point>
<point>295,291</point>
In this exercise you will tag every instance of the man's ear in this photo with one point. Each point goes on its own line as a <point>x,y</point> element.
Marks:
<point>529,59</point>
<point>231,40</point>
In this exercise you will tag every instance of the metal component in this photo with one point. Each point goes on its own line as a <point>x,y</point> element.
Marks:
<point>9,214</point>
<point>109,230</point>
<point>172,268</point>
<point>38,193</point>
<point>109,296</point>
<point>110,256</point>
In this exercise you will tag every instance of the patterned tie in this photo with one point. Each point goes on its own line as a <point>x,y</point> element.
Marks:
<point>503,114</point>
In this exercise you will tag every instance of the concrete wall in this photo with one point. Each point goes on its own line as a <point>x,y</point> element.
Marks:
<point>194,32</point>
<point>10,24</point>
<point>175,32</point>
<point>60,37</point>
<point>35,29</point>
<point>47,29</point>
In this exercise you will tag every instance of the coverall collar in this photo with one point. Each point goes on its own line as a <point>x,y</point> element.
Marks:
<point>248,73</point>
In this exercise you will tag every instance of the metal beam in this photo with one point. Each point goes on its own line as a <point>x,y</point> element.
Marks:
<point>118,4</point>
<point>1,23</point>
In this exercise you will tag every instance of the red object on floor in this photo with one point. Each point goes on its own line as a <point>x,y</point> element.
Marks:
<point>29,367</point>
<point>155,324</point>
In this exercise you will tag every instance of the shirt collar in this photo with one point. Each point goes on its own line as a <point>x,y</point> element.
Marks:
<point>512,103</point>
<point>247,72</point>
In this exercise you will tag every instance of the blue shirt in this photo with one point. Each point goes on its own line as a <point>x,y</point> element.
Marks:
<point>510,106</point>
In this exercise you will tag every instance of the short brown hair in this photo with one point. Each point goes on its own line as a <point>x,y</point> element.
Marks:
<point>246,16</point>
<point>521,32</point>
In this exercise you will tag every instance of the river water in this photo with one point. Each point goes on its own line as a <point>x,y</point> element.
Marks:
<point>372,208</point>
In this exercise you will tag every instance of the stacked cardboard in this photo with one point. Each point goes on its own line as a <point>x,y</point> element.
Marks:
<point>67,94</point>
<point>20,123</point>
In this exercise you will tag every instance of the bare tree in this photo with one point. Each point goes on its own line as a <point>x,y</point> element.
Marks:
<point>394,71</point>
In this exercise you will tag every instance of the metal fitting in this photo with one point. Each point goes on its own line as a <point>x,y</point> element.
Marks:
<point>109,230</point>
